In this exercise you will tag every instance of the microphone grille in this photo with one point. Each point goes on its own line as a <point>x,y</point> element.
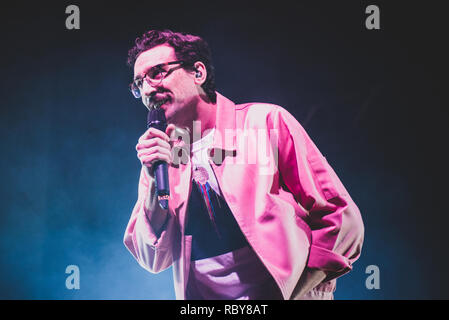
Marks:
<point>156,118</point>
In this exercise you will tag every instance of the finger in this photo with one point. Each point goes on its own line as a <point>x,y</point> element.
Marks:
<point>153,132</point>
<point>146,144</point>
<point>153,150</point>
<point>143,139</point>
<point>170,130</point>
<point>149,160</point>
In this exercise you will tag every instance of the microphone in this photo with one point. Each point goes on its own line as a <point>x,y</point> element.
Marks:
<point>156,119</point>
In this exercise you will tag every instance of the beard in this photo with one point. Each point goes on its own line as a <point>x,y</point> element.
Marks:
<point>157,102</point>
<point>176,112</point>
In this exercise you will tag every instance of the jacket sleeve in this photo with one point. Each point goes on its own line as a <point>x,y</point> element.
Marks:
<point>153,251</point>
<point>333,217</point>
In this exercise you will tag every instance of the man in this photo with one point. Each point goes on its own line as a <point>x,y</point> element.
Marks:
<point>238,226</point>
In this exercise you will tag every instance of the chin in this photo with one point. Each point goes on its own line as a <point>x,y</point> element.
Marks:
<point>168,113</point>
<point>173,113</point>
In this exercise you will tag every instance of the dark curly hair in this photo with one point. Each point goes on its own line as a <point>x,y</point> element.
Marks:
<point>189,48</point>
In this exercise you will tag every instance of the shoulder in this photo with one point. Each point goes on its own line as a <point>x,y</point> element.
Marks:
<point>256,107</point>
<point>270,114</point>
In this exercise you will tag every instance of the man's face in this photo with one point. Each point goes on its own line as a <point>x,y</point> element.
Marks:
<point>177,91</point>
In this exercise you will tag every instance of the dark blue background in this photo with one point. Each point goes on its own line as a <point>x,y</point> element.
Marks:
<point>371,101</point>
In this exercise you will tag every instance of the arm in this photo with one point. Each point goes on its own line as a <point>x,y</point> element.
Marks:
<point>334,219</point>
<point>151,229</point>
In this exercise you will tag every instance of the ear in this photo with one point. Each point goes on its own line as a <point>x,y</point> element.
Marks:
<point>200,73</point>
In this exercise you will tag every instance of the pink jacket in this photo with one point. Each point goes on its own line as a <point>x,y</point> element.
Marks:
<point>290,204</point>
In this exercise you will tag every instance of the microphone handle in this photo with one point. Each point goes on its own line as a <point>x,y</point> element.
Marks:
<point>156,119</point>
<point>162,186</point>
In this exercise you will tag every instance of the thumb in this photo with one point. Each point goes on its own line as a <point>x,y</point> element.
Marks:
<point>170,130</point>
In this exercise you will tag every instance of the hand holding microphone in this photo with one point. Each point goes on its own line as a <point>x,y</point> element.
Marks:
<point>154,152</point>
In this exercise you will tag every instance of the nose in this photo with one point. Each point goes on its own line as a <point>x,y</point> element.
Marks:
<point>147,89</point>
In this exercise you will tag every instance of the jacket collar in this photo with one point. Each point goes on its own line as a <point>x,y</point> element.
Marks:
<point>224,137</point>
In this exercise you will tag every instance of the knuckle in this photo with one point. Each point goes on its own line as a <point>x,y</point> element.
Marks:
<point>148,161</point>
<point>155,149</point>
<point>159,149</point>
<point>153,132</point>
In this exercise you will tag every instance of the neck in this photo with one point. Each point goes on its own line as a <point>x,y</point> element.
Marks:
<point>204,119</point>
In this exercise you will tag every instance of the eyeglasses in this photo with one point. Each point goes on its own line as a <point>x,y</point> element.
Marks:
<point>153,76</point>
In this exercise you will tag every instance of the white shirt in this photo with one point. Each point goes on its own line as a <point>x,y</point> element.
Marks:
<point>200,158</point>
<point>236,275</point>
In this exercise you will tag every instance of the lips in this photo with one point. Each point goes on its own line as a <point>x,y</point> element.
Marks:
<point>159,99</point>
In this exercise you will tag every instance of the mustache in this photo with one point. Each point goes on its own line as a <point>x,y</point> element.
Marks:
<point>153,102</point>
<point>154,93</point>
